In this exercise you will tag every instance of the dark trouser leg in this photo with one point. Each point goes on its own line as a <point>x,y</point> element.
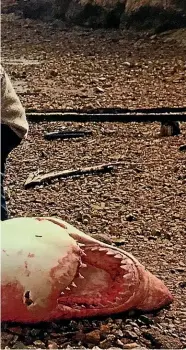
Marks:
<point>4,212</point>
<point>170,128</point>
<point>9,140</point>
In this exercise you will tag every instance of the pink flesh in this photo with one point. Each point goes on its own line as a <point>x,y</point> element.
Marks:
<point>100,285</point>
<point>108,288</point>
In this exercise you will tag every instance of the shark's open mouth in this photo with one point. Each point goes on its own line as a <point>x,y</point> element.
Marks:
<point>105,278</point>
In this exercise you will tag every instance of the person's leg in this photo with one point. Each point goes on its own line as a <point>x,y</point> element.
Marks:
<point>170,128</point>
<point>4,212</point>
<point>9,140</point>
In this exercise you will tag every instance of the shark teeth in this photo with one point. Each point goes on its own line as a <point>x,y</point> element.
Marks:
<point>81,245</point>
<point>94,248</point>
<point>83,253</point>
<point>73,285</point>
<point>80,276</point>
<point>67,288</point>
<point>123,261</point>
<point>127,276</point>
<point>79,307</point>
<point>102,249</point>
<point>118,256</point>
<point>109,253</point>
<point>65,308</point>
<point>82,265</point>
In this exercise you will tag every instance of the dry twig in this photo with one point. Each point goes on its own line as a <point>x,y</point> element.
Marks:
<point>37,179</point>
<point>66,134</point>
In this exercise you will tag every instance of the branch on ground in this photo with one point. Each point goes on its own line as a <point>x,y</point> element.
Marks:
<point>37,179</point>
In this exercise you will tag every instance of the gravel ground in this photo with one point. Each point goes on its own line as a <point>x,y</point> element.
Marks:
<point>75,68</point>
<point>141,205</point>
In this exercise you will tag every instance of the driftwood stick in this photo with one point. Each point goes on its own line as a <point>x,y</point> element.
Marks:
<point>66,134</point>
<point>37,179</point>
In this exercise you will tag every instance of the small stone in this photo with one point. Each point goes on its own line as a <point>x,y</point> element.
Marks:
<point>34,332</point>
<point>73,325</point>
<point>7,193</point>
<point>16,330</point>
<point>28,340</point>
<point>18,345</point>
<point>86,323</point>
<point>111,337</point>
<point>152,238</point>
<point>146,320</point>
<point>131,335</point>
<point>43,154</point>
<point>119,241</point>
<point>98,207</point>
<point>94,325</point>
<point>119,321</point>
<point>79,216</point>
<point>23,75</point>
<point>104,329</point>
<point>6,339</point>
<point>16,337</point>
<point>182,148</point>
<point>168,235</point>
<point>180,269</point>
<point>99,89</point>
<point>39,344</point>
<point>119,333</point>
<point>182,284</point>
<point>156,342</point>
<point>155,232</point>
<point>105,344</point>
<point>54,73</point>
<point>79,336</point>
<point>154,36</point>
<point>130,346</point>
<point>67,345</point>
<point>119,342</point>
<point>93,337</point>
<point>109,321</point>
<point>85,218</point>
<point>130,218</point>
<point>80,326</point>
<point>137,331</point>
<point>52,345</point>
<point>127,64</point>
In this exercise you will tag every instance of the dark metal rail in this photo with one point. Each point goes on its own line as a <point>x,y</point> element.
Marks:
<point>126,117</point>
<point>114,110</point>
